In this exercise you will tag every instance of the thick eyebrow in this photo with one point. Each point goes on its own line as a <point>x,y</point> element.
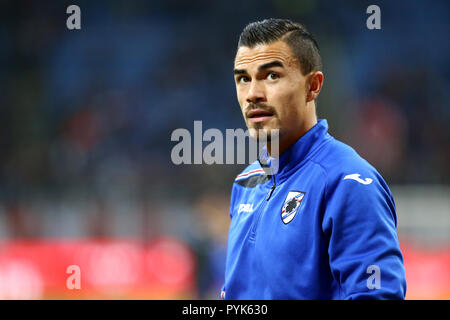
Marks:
<point>239,71</point>
<point>265,66</point>
<point>272,64</point>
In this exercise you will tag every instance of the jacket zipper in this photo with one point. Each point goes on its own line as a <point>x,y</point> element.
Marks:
<point>259,213</point>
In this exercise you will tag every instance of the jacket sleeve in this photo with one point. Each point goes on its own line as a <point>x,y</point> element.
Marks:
<point>360,224</point>
<point>231,213</point>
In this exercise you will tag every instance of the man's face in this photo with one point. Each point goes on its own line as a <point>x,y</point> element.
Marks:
<point>271,88</point>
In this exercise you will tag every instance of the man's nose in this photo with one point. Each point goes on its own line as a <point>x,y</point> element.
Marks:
<point>256,92</point>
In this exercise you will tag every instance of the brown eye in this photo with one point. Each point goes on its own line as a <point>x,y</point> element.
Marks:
<point>273,76</point>
<point>242,79</point>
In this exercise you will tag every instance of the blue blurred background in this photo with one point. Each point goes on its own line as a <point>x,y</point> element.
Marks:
<point>86,118</point>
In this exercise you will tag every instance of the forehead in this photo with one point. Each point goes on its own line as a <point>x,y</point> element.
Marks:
<point>247,57</point>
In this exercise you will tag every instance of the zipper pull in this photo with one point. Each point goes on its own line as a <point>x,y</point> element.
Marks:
<point>270,192</point>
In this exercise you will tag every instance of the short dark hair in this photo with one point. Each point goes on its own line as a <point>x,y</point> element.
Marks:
<point>302,43</point>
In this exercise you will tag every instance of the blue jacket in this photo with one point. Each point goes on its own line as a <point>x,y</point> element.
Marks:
<point>322,227</point>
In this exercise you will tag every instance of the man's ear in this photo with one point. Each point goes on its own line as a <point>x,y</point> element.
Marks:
<point>315,82</point>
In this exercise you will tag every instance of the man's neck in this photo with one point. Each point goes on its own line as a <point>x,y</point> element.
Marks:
<point>286,142</point>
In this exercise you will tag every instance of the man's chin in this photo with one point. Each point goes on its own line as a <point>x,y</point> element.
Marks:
<point>264,133</point>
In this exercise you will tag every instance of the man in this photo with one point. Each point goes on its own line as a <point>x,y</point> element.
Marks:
<point>323,225</point>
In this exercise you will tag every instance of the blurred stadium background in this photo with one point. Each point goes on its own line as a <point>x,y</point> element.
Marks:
<point>86,116</point>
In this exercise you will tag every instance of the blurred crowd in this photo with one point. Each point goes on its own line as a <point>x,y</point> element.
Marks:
<point>86,115</point>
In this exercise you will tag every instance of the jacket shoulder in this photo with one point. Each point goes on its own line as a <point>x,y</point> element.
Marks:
<point>347,173</point>
<point>253,169</point>
<point>339,160</point>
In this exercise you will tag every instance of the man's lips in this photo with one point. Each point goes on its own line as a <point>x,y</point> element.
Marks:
<point>259,115</point>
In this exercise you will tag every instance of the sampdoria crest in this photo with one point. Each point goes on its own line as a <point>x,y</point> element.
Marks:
<point>291,205</point>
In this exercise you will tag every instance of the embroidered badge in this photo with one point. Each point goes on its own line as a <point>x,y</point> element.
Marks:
<point>291,205</point>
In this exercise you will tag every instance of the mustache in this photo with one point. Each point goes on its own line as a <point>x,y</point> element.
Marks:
<point>265,107</point>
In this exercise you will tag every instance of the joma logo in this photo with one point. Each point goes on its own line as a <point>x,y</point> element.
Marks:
<point>245,207</point>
